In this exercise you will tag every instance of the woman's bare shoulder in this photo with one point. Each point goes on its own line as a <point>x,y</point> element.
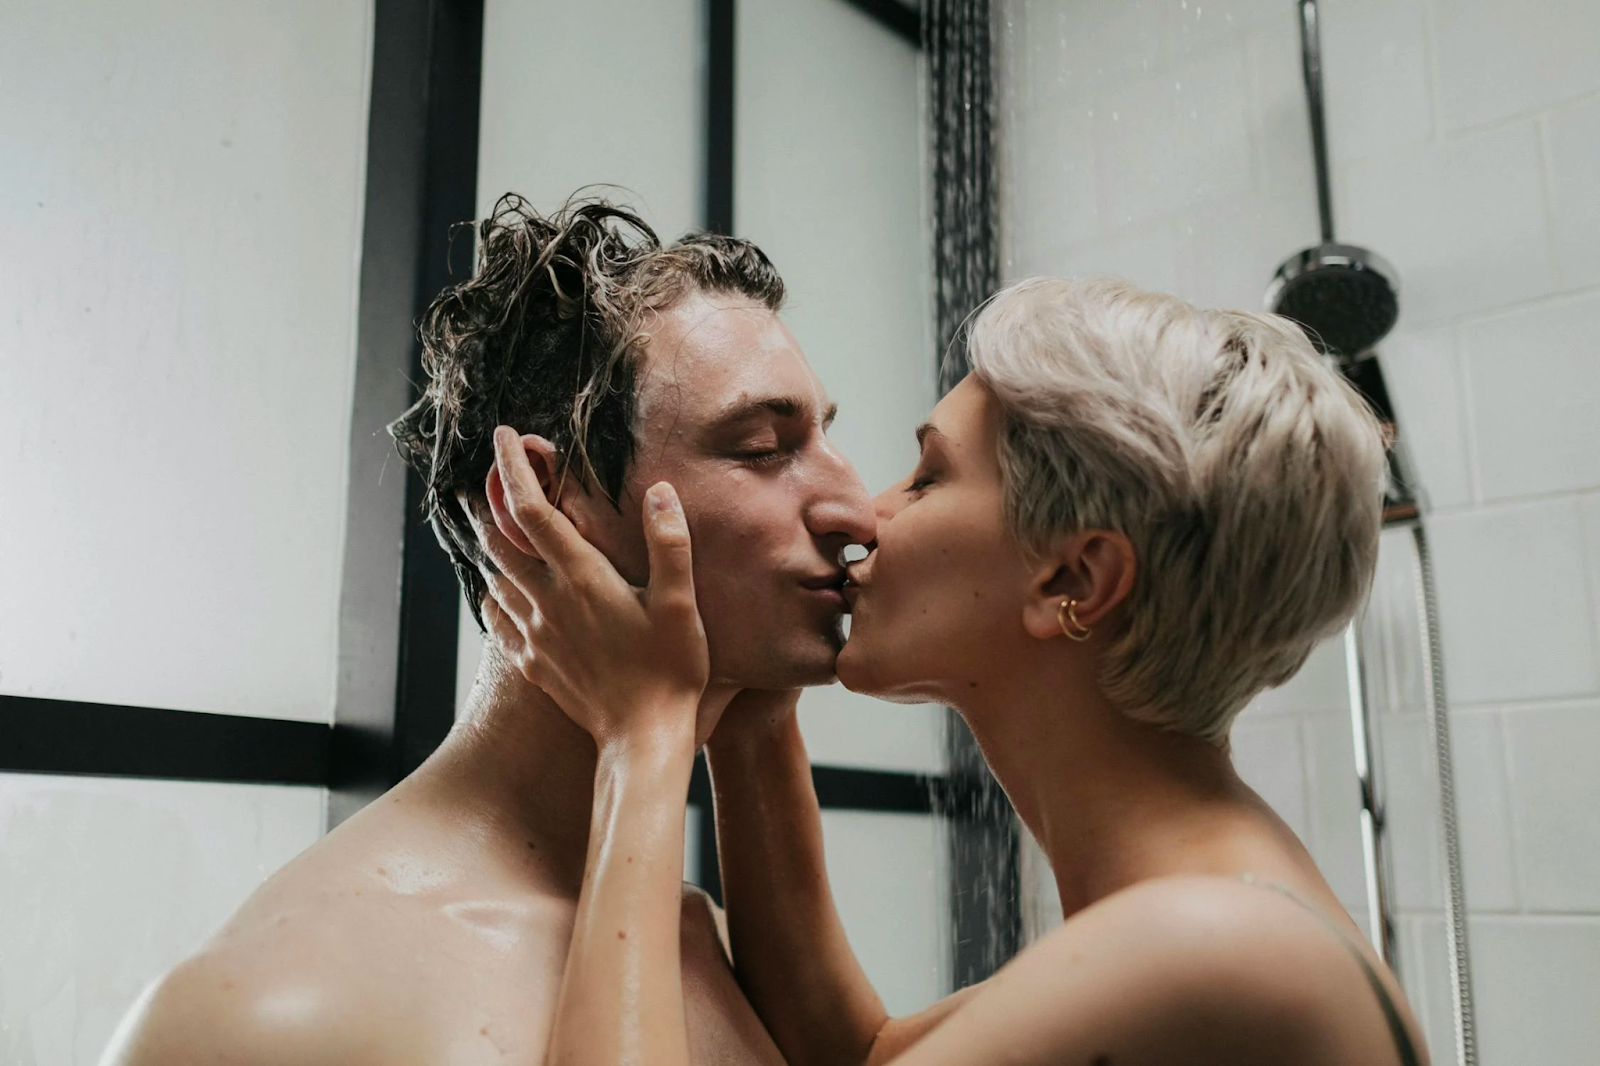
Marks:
<point>1191,969</point>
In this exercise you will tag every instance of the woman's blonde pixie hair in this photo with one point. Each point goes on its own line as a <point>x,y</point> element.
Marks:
<point>1246,473</point>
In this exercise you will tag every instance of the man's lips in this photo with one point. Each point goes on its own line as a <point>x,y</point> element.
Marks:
<point>833,579</point>
<point>828,587</point>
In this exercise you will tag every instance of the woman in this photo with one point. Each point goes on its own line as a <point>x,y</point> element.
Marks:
<point>1130,518</point>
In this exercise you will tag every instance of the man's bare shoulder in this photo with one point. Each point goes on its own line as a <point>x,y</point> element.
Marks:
<point>378,947</point>
<point>220,1006</point>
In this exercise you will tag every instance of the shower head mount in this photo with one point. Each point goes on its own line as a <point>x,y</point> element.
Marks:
<point>1345,297</point>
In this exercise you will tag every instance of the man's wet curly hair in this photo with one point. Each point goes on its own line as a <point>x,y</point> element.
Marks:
<point>545,338</point>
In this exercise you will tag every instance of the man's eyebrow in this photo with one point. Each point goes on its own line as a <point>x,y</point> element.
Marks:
<point>782,406</point>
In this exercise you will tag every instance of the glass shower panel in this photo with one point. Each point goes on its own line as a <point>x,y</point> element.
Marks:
<point>549,126</point>
<point>829,182</point>
<point>177,336</point>
<point>891,883</point>
<point>105,883</point>
<point>1392,642</point>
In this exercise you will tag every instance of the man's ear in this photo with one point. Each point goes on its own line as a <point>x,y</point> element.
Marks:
<point>1095,567</point>
<point>542,458</point>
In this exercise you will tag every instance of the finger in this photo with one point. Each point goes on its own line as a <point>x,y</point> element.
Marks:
<point>511,643</point>
<point>547,530</point>
<point>510,600</point>
<point>500,511</point>
<point>666,534</point>
<point>527,572</point>
<point>502,629</point>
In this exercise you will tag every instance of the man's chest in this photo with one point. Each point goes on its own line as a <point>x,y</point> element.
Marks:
<point>489,986</point>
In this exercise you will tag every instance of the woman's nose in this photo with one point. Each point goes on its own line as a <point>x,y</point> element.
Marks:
<point>887,503</point>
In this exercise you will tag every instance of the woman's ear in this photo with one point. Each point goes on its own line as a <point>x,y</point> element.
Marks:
<point>542,458</point>
<point>1095,567</point>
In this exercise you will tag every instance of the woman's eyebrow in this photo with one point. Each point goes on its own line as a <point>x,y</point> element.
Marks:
<point>927,430</point>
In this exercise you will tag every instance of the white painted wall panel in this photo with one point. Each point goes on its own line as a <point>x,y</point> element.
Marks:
<point>180,222</point>
<point>106,883</point>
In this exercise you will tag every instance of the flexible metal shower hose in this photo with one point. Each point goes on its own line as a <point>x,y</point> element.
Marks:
<point>1439,720</point>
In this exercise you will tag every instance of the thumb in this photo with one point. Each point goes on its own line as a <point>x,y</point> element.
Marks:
<point>666,534</point>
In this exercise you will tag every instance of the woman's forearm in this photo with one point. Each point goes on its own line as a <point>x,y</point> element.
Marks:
<point>789,948</point>
<point>621,996</point>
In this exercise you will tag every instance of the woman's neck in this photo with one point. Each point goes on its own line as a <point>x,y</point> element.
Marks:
<point>1111,801</point>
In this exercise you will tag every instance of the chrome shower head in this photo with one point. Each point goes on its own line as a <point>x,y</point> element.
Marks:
<point>1345,298</point>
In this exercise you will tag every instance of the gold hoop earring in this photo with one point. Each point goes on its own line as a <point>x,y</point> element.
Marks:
<point>1068,611</point>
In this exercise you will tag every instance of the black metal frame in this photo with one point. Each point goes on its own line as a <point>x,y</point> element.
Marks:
<point>902,21</point>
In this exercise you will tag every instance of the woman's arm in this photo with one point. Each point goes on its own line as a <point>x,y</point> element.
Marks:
<point>629,666</point>
<point>789,948</point>
<point>621,996</point>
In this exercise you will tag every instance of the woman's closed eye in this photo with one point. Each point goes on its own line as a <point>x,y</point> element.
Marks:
<point>918,483</point>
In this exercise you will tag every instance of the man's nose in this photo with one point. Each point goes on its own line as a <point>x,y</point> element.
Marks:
<point>841,508</point>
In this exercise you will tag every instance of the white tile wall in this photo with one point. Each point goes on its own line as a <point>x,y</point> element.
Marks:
<point>1514,610</point>
<point>1278,102</point>
<point>1055,192</point>
<point>1498,59</point>
<point>1150,255</point>
<point>1574,138</point>
<point>1410,794</point>
<point>1535,403</point>
<point>1423,372</point>
<point>1535,982</point>
<point>1589,508</point>
<point>1173,139</point>
<point>1425,973</point>
<point>1375,71</point>
<point>1270,755</point>
<point>1463,221</point>
<point>1482,809</point>
<point>1236,244</point>
<point>1552,753</point>
<point>1333,806</point>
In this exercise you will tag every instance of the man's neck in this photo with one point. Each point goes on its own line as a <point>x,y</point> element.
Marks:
<point>516,761</point>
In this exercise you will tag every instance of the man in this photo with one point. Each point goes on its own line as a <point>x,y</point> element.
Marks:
<point>432,927</point>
